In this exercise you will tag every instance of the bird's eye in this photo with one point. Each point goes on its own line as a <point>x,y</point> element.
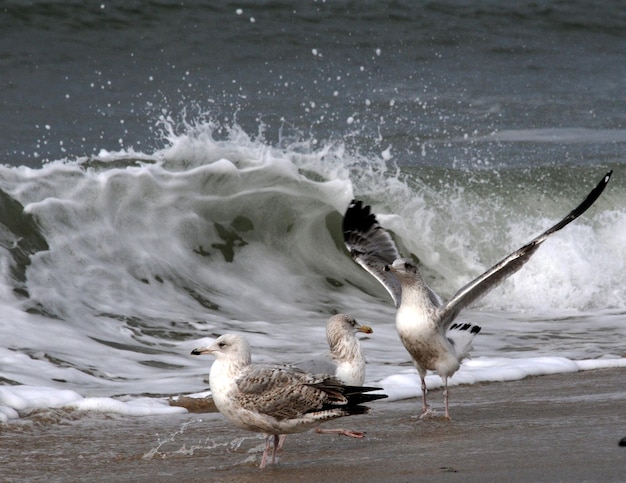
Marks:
<point>221,345</point>
<point>407,265</point>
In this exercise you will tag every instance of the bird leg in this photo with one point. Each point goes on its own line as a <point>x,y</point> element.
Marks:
<point>276,443</point>
<point>426,411</point>
<point>341,431</point>
<point>445,399</point>
<point>424,391</point>
<point>269,438</point>
<point>281,441</point>
<point>265,452</point>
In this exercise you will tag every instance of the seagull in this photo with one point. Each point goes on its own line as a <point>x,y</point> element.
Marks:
<point>275,399</point>
<point>425,323</point>
<point>345,361</point>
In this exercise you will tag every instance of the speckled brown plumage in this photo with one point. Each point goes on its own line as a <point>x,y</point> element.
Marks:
<point>275,399</point>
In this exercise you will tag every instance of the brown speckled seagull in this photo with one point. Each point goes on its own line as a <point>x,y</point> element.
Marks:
<point>275,399</point>
<point>423,321</point>
<point>345,360</point>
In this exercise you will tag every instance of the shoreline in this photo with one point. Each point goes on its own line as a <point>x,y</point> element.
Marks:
<point>563,427</point>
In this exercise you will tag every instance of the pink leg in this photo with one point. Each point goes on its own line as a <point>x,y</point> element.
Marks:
<point>343,432</point>
<point>265,452</point>
<point>281,441</point>
<point>276,441</point>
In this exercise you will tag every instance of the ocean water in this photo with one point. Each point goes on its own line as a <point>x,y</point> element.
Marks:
<point>171,172</point>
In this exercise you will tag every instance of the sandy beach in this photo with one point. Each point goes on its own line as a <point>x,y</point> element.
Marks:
<point>563,427</point>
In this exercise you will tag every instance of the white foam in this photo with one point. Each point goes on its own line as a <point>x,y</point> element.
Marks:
<point>133,407</point>
<point>16,400</point>
<point>408,385</point>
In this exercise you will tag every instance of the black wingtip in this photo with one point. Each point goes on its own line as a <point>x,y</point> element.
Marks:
<point>593,195</point>
<point>473,328</point>
<point>358,217</point>
<point>358,399</point>
<point>591,198</point>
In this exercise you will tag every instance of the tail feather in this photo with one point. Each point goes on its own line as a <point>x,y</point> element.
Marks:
<point>348,390</point>
<point>347,398</point>
<point>461,335</point>
<point>364,398</point>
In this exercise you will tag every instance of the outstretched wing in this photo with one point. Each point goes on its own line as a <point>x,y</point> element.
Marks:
<point>512,263</point>
<point>371,246</point>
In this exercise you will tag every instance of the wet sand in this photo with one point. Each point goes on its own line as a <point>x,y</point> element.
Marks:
<point>552,428</point>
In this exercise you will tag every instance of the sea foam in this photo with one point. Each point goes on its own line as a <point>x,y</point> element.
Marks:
<point>148,255</point>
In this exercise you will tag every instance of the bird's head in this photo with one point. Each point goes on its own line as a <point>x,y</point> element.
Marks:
<point>403,268</point>
<point>228,346</point>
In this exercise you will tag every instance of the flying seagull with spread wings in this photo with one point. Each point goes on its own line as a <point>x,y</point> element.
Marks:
<point>425,323</point>
<point>275,399</point>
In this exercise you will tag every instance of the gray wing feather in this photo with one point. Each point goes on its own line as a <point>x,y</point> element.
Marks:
<point>512,263</point>
<point>371,246</point>
<point>282,392</point>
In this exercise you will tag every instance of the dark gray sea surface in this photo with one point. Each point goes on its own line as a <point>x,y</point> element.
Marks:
<point>452,83</point>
